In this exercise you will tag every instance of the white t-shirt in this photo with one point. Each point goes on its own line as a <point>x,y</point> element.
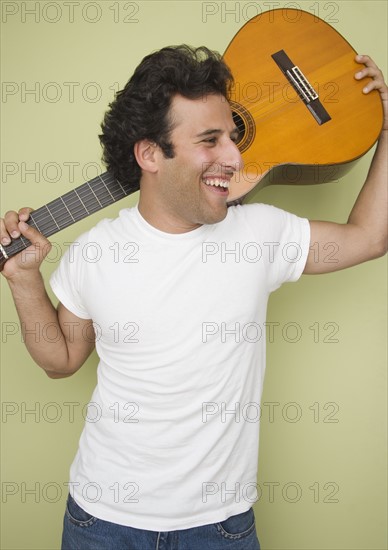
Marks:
<point>172,432</point>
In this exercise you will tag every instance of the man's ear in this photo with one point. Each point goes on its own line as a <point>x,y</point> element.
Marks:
<point>144,151</point>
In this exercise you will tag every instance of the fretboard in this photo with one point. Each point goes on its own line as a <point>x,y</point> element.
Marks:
<point>70,208</point>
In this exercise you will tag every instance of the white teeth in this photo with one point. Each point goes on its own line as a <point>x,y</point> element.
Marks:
<point>215,182</point>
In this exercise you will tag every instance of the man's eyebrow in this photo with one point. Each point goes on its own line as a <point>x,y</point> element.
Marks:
<point>216,131</point>
<point>209,132</point>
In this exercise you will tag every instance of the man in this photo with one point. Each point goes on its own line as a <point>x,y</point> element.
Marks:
<point>145,475</point>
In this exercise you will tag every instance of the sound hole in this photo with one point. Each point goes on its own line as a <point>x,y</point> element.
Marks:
<point>239,122</point>
<point>245,125</point>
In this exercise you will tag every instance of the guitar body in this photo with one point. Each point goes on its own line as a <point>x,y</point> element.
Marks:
<point>282,140</point>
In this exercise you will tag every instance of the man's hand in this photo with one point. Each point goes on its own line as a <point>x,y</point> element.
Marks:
<point>377,83</point>
<point>12,226</point>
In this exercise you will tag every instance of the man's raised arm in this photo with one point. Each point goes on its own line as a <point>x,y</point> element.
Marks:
<point>364,236</point>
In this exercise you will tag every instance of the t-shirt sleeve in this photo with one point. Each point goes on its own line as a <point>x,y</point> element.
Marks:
<point>66,281</point>
<point>284,239</point>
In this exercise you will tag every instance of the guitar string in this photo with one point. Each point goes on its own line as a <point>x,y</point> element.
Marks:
<point>72,200</point>
<point>43,214</point>
<point>75,207</point>
<point>44,228</point>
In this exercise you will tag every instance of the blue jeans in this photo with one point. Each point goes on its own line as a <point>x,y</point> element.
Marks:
<point>84,532</point>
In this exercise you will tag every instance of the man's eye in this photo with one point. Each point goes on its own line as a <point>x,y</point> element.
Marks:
<point>210,140</point>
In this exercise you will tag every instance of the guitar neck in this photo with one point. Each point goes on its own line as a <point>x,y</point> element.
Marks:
<point>88,198</point>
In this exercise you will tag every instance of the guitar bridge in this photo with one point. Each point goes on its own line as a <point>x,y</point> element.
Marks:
<point>302,86</point>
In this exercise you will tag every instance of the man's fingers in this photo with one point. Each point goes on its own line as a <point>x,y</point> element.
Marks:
<point>9,226</point>
<point>24,213</point>
<point>33,235</point>
<point>29,232</point>
<point>372,71</point>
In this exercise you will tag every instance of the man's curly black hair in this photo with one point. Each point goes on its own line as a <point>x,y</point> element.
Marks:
<point>141,109</point>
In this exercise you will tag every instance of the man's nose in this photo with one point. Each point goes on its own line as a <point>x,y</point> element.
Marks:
<point>233,159</point>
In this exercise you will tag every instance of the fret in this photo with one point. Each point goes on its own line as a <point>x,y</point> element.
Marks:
<point>115,187</point>
<point>33,222</point>
<point>42,220</point>
<point>48,210</point>
<point>107,188</point>
<point>89,199</point>
<point>117,190</point>
<point>50,219</point>
<point>75,207</point>
<point>61,213</point>
<point>103,196</point>
<point>65,205</point>
<point>81,201</point>
<point>91,188</point>
<point>69,208</point>
<point>120,186</point>
<point>25,242</point>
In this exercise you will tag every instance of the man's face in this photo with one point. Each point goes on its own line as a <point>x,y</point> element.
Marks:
<point>192,187</point>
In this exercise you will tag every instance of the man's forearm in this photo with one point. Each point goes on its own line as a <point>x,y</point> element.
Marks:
<point>370,209</point>
<point>42,333</point>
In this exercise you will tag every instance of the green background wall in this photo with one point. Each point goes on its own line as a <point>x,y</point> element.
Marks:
<point>322,469</point>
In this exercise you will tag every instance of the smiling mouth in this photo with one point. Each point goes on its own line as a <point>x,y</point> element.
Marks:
<point>219,183</point>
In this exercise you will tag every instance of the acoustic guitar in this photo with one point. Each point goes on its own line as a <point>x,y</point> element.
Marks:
<point>301,114</point>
